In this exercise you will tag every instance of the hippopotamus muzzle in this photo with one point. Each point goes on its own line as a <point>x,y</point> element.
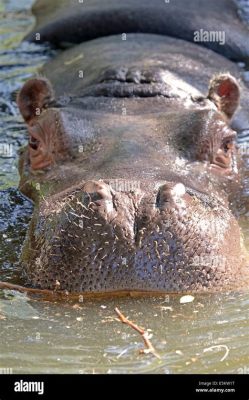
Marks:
<point>155,237</point>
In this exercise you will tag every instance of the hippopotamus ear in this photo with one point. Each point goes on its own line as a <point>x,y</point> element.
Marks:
<point>34,96</point>
<point>224,91</point>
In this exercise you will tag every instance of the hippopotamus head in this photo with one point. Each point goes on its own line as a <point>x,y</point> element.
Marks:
<point>132,173</point>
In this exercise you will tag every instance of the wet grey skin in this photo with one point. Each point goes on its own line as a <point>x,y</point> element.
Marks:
<point>63,22</point>
<point>132,169</point>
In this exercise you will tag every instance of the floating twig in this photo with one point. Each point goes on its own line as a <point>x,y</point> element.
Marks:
<point>60,294</point>
<point>24,289</point>
<point>145,334</point>
<point>218,346</point>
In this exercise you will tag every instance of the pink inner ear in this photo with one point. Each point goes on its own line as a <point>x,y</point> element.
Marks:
<point>225,89</point>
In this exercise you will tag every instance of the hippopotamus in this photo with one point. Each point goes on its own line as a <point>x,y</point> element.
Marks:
<point>213,24</point>
<point>132,166</point>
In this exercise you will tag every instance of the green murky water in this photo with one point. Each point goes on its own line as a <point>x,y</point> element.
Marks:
<point>208,335</point>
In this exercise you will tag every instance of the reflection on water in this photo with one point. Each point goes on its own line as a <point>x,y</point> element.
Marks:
<point>208,335</point>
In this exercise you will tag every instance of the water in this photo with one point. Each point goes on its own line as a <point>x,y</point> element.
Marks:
<point>86,337</point>
<point>208,335</point>
<point>18,62</point>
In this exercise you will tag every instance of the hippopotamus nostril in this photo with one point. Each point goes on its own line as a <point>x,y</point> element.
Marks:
<point>97,193</point>
<point>178,190</point>
<point>99,187</point>
<point>170,195</point>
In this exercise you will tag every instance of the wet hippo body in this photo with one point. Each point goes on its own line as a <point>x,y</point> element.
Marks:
<point>132,168</point>
<point>73,21</point>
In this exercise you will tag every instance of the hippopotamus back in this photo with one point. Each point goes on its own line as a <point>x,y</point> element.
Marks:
<point>213,24</point>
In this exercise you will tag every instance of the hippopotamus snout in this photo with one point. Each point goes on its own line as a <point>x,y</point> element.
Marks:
<point>156,237</point>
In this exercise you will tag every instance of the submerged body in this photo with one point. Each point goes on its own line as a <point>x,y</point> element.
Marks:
<point>137,169</point>
<point>213,24</point>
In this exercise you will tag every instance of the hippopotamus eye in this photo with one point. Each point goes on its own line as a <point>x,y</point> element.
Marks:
<point>33,142</point>
<point>47,142</point>
<point>40,154</point>
<point>228,145</point>
<point>224,157</point>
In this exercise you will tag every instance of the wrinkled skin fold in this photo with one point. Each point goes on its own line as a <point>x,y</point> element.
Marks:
<point>132,170</point>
